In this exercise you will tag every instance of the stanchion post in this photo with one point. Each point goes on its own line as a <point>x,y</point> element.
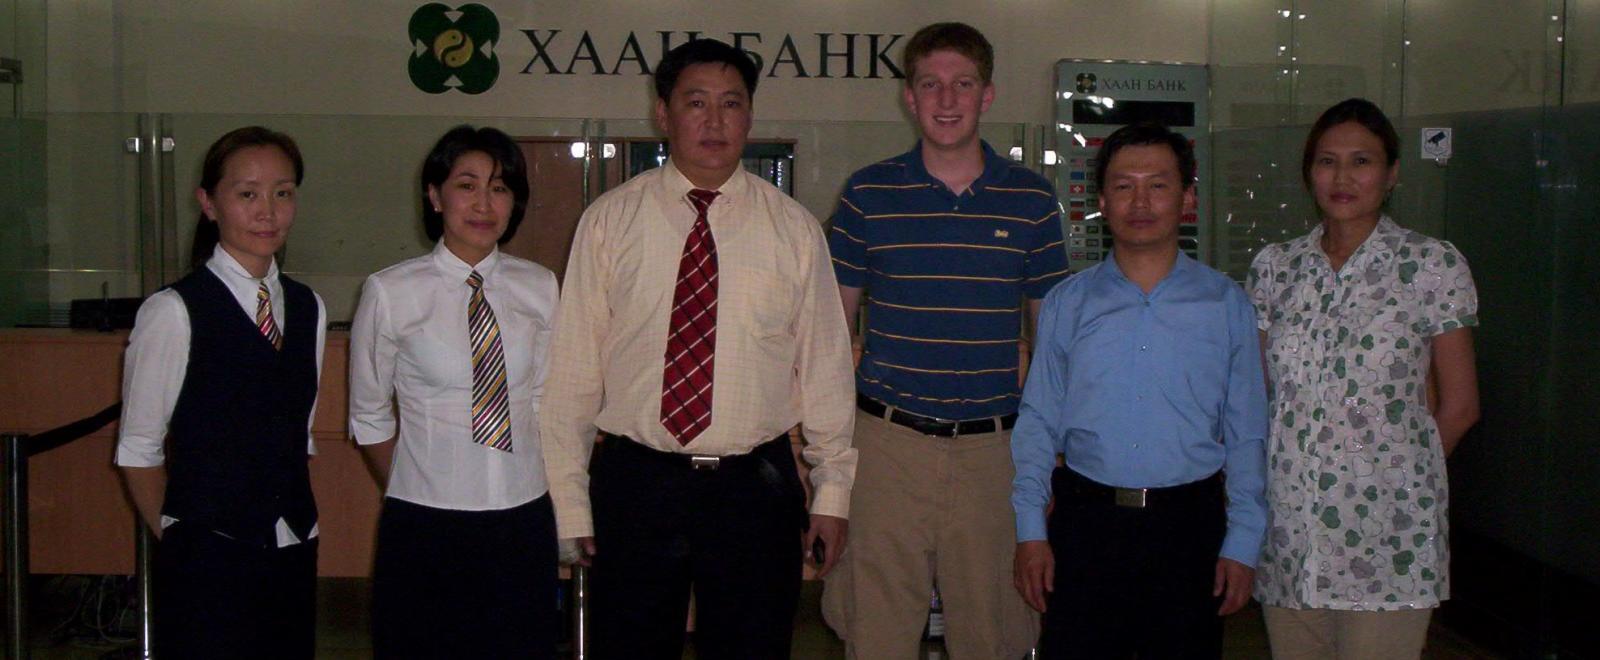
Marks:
<point>16,544</point>
<point>144,544</point>
<point>580,612</point>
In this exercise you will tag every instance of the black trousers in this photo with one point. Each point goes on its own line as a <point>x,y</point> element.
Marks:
<point>465,584</point>
<point>661,527</point>
<point>1134,581</point>
<point>215,597</point>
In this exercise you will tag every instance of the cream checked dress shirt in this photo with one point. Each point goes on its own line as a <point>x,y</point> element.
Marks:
<point>782,352</point>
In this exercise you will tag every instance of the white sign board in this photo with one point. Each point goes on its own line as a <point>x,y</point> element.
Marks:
<point>1436,143</point>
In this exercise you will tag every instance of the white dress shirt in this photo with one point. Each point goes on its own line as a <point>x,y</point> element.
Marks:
<point>158,358</point>
<point>410,345</point>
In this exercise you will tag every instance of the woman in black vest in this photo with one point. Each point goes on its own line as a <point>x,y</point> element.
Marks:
<point>448,354</point>
<point>219,385</point>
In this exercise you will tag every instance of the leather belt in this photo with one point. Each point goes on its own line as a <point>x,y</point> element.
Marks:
<point>1074,487</point>
<point>948,428</point>
<point>707,462</point>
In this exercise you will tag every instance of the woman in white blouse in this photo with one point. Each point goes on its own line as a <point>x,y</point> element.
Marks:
<point>1354,317</point>
<point>448,353</point>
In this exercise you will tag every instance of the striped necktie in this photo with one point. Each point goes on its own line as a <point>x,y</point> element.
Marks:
<point>692,338</point>
<point>264,322</point>
<point>491,410</point>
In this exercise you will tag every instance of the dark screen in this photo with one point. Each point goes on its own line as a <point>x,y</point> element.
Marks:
<point>1167,113</point>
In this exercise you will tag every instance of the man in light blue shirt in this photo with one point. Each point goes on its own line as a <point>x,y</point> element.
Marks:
<point>1147,377</point>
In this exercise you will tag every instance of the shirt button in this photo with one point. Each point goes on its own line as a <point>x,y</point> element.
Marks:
<point>1135,445</point>
<point>1143,348</point>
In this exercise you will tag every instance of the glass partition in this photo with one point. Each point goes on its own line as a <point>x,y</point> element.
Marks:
<point>113,209</point>
<point>1518,196</point>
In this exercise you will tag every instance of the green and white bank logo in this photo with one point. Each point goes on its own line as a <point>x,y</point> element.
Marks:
<point>454,48</point>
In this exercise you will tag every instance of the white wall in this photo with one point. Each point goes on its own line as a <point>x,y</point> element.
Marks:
<point>304,57</point>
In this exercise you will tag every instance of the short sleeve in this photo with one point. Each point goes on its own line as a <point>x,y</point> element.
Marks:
<point>1260,282</point>
<point>152,378</point>
<point>847,245</point>
<point>1447,294</point>
<point>1047,259</point>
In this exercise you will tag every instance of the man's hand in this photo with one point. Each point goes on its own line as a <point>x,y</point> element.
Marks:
<point>585,548</point>
<point>1233,584</point>
<point>834,532</point>
<point>1034,572</point>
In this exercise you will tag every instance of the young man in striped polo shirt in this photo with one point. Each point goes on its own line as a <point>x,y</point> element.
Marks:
<point>951,243</point>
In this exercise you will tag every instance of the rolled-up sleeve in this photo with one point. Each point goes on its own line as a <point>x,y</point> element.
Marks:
<point>372,365</point>
<point>152,377</point>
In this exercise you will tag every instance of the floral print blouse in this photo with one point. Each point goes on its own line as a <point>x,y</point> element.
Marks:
<point>1356,473</point>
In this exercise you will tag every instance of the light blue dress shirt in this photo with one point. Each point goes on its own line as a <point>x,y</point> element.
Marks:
<point>1146,390</point>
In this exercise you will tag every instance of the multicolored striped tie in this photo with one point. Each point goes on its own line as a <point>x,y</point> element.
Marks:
<point>491,409</point>
<point>264,322</point>
<point>692,337</point>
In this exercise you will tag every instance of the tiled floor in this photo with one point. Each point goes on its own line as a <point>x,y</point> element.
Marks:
<point>69,613</point>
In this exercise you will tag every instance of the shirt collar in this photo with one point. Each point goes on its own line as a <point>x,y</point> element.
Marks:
<point>1385,238</point>
<point>452,266</point>
<point>995,167</point>
<point>678,185</point>
<point>230,271</point>
<point>1180,268</point>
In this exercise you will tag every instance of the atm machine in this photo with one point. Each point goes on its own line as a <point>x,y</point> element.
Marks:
<point>1093,98</point>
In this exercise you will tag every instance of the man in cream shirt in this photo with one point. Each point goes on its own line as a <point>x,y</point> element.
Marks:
<point>699,322</point>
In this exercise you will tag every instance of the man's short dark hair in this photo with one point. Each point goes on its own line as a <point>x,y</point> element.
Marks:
<point>1359,111</point>
<point>464,139</point>
<point>703,51</point>
<point>957,37</point>
<point>1145,133</point>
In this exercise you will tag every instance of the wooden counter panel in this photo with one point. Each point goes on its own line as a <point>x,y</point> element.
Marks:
<point>347,509</point>
<point>80,518</point>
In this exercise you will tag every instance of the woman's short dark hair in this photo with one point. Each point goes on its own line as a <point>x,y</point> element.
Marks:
<point>957,37</point>
<point>206,233</point>
<point>1140,134</point>
<point>491,142</point>
<point>704,51</point>
<point>1360,111</point>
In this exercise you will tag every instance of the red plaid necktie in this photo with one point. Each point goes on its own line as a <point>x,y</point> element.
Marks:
<point>692,336</point>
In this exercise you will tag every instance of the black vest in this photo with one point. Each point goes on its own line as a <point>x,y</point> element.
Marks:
<point>236,452</point>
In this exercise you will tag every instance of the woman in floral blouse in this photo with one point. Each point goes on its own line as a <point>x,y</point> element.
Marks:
<point>1355,317</point>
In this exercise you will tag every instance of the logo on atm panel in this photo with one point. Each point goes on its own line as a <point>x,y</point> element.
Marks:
<point>1087,83</point>
<point>454,48</point>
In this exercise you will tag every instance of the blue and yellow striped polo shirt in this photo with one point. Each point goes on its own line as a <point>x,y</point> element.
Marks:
<point>946,278</point>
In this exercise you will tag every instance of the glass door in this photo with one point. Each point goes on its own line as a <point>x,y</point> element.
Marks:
<point>23,284</point>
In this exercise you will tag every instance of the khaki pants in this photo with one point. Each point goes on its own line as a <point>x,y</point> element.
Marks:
<point>926,508</point>
<point>1322,634</point>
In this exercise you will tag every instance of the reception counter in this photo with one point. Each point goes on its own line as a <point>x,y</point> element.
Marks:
<point>80,518</point>
<point>81,521</point>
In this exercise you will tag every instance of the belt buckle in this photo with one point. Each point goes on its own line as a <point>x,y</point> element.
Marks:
<point>955,427</point>
<point>700,462</point>
<point>1133,498</point>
